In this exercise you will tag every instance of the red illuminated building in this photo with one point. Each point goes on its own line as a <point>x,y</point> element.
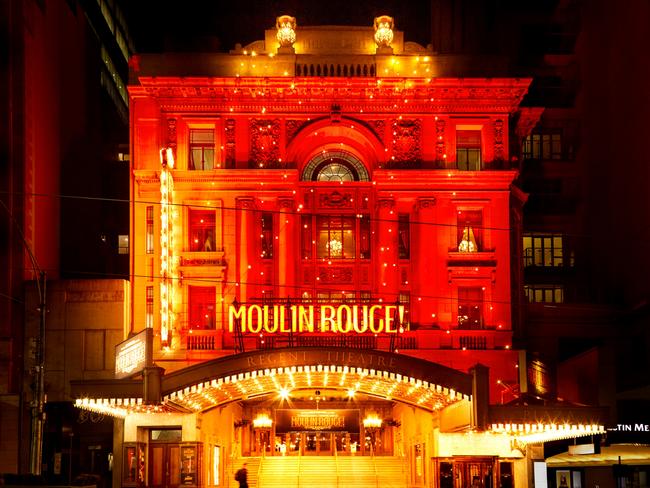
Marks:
<point>324,247</point>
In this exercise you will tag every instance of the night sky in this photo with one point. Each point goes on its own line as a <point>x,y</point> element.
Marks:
<point>194,25</point>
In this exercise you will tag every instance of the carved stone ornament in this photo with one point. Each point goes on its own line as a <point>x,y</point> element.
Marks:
<point>286,204</point>
<point>171,134</point>
<point>379,127</point>
<point>336,200</point>
<point>335,274</point>
<point>406,141</point>
<point>498,140</point>
<point>230,143</point>
<point>246,203</point>
<point>292,127</point>
<point>425,203</point>
<point>440,140</point>
<point>385,204</point>
<point>265,143</point>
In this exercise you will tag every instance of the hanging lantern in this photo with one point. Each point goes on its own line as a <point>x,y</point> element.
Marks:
<point>286,35</point>
<point>384,31</point>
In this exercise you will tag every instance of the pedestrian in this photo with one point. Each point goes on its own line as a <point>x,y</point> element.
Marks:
<point>242,476</point>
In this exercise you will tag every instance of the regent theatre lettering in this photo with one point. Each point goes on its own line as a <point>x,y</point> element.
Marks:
<point>357,319</point>
<point>343,420</point>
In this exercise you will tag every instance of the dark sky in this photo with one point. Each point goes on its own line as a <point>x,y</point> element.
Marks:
<point>193,25</point>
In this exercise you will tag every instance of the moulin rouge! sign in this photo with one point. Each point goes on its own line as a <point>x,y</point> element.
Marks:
<point>344,319</point>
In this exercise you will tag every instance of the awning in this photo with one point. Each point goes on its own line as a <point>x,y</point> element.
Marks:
<point>629,454</point>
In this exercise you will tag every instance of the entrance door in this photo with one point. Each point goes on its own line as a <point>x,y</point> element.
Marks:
<point>164,465</point>
<point>318,443</point>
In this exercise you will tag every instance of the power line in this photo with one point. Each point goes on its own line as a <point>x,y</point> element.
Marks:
<point>272,211</point>
<point>235,284</point>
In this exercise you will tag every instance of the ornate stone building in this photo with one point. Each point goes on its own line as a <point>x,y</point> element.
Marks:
<point>325,244</point>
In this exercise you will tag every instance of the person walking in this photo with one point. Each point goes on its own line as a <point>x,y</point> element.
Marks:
<point>242,477</point>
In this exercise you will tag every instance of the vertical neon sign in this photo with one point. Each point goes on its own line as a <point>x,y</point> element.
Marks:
<point>166,245</point>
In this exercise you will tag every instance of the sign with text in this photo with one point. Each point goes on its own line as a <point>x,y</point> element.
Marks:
<point>134,354</point>
<point>343,318</point>
<point>343,420</point>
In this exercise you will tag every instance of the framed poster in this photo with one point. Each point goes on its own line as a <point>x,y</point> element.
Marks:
<point>563,478</point>
<point>188,465</point>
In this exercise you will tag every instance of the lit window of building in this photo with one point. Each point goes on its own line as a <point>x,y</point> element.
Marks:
<point>202,230</point>
<point>149,308</point>
<point>544,293</point>
<point>123,244</point>
<point>201,307</point>
<point>468,150</point>
<point>470,308</point>
<point>404,236</point>
<point>149,236</point>
<point>543,146</point>
<point>266,222</point>
<point>545,250</point>
<point>201,155</point>
<point>469,230</point>
<point>335,237</point>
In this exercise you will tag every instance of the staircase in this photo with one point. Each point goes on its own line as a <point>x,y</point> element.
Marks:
<point>331,472</point>
<point>280,472</point>
<point>357,471</point>
<point>318,472</point>
<point>392,472</point>
<point>252,466</point>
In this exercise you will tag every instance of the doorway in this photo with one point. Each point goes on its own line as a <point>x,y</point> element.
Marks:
<point>165,458</point>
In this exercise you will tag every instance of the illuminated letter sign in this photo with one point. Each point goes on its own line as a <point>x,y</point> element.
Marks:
<point>134,354</point>
<point>338,319</point>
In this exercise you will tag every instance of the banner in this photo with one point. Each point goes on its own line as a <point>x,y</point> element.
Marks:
<point>345,420</point>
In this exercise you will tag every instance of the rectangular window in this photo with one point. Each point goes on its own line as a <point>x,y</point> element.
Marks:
<point>305,237</point>
<point>470,308</point>
<point>201,149</point>
<point>543,146</point>
<point>468,150</point>
<point>404,236</point>
<point>405,300</point>
<point>201,307</point>
<point>267,235</point>
<point>364,237</point>
<point>149,308</point>
<point>469,230</point>
<point>544,293</point>
<point>123,244</point>
<point>149,232</point>
<point>335,237</point>
<point>545,250</point>
<point>202,230</point>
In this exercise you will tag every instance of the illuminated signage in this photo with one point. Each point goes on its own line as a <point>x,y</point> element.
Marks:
<point>134,354</point>
<point>358,319</point>
<point>343,420</point>
<point>630,428</point>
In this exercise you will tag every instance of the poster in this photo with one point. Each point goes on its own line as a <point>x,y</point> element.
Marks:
<point>563,478</point>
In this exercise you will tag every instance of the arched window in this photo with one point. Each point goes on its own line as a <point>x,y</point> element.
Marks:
<point>335,171</point>
<point>335,166</point>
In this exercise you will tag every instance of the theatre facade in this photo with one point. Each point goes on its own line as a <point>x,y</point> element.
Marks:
<point>325,265</point>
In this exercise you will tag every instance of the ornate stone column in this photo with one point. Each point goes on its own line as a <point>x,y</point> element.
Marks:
<point>424,291</point>
<point>246,244</point>
<point>288,251</point>
<point>387,259</point>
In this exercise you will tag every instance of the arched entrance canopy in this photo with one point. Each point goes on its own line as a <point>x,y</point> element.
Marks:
<point>237,377</point>
<point>382,374</point>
